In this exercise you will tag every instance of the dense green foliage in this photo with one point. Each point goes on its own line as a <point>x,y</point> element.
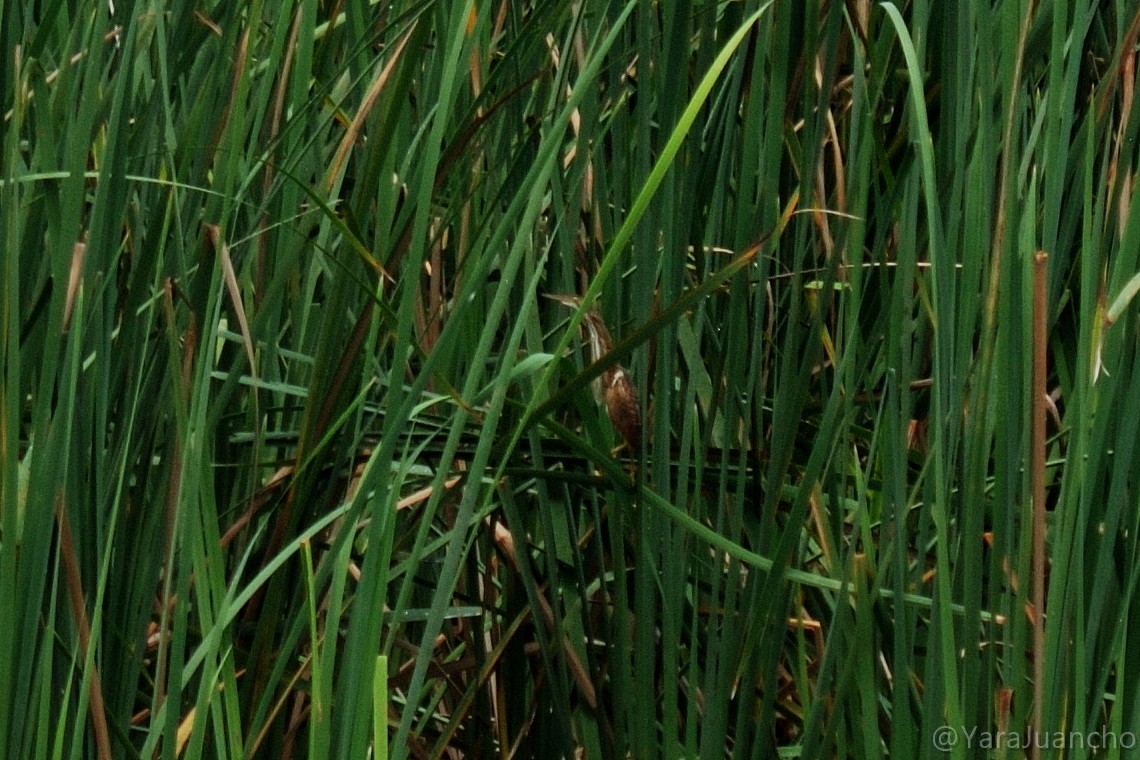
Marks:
<point>298,460</point>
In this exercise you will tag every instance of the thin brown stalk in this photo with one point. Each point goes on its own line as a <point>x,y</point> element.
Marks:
<point>83,625</point>
<point>269,174</point>
<point>578,670</point>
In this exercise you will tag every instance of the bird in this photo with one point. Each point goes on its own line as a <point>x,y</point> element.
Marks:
<point>613,388</point>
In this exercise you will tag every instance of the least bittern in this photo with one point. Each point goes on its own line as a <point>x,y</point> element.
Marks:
<point>613,388</point>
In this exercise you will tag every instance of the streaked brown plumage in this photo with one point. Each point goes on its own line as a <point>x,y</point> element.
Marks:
<point>614,387</point>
